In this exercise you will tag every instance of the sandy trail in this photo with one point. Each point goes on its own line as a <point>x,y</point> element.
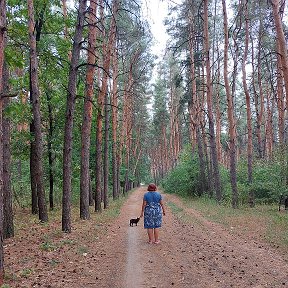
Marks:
<point>134,272</point>
<point>193,252</point>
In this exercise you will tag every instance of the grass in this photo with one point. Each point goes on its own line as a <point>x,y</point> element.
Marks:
<point>26,272</point>
<point>48,246</point>
<point>175,209</point>
<point>181,214</point>
<point>83,250</point>
<point>263,222</point>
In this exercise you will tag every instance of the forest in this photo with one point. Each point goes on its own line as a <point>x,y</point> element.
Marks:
<point>82,123</point>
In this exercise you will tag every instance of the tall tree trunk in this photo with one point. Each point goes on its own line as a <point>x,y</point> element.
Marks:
<point>3,39</point>
<point>231,120</point>
<point>193,111</point>
<point>258,103</point>
<point>70,108</point>
<point>8,229</point>
<point>269,125</point>
<point>276,5</point>
<point>87,114</point>
<point>106,156</point>
<point>216,174</point>
<point>218,116</point>
<point>280,101</point>
<point>203,180</point>
<point>114,105</point>
<point>35,96</point>
<point>107,51</point>
<point>66,35</point>
<point>248,107</point>
<point>34,196</point>
<point>50,151</point>
<point>99,120</point>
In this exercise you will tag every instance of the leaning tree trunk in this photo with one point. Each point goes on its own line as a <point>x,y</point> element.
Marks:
<point>217,184</point>
<point>8,228</point>
<point>70,109</point>
<point>35,96</point>
<point>248,109</point>
<point>87,114</point>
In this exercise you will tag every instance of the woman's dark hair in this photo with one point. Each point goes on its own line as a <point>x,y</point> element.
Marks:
<point>152,187</point>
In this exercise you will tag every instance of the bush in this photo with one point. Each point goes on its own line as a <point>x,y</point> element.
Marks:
<point>267,185</point>
<point>184,179</point>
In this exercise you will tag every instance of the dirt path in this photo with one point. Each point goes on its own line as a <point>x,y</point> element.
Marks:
<point>193,253</point>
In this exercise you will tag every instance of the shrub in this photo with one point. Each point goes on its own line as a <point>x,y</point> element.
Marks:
<point>184,179</point>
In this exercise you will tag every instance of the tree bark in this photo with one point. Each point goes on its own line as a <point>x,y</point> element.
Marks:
<point>70,109</point>
<point>3,41</point>
<point>251,199</point>
<point>87,114</point>
<point>106,156</point>
<point>269,126</point>
<point>280,101</point>
<point>35,96</point>
<point>114,105</point>
<point>281,41</point>
<point>66,35</point>
<point>216,173</point>
<point>50,151</point>
<point>8,229</point>
<point>259,101</point>
<point>107,50</point>
<point>231,120</point>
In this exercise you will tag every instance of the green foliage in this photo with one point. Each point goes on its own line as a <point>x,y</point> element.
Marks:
<point>267,181</point>
<point>25,273</point>
<point>48,246</point>
<point>184,179</point>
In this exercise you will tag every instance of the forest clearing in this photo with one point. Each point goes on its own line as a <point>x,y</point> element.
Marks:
<point>92,104</point>
<point>193,252</point>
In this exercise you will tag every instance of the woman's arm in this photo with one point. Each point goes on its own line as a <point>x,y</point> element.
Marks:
<point>162,205</point>
<point>143,207</point>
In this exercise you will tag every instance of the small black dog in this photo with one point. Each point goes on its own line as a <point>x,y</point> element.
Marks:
<point>132,221</point>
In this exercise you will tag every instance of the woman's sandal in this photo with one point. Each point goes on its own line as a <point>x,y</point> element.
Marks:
<point>157,242</point>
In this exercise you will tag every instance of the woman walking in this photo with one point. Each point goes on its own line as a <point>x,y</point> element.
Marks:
<point>152,209</point>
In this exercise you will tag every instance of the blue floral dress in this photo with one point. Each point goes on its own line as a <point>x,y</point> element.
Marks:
<point>153,210</point>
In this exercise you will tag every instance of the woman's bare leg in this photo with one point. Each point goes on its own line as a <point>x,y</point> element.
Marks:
<point>156,235</point>
<point>150,235</point>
